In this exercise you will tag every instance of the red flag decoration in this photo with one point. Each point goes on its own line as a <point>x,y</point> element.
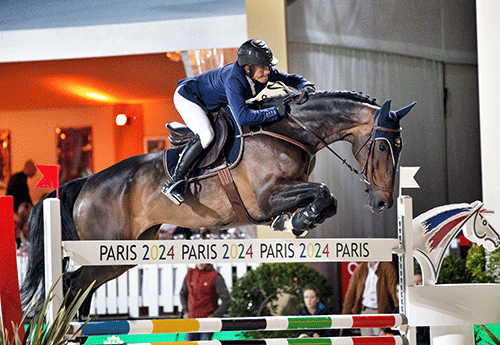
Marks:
<point>50,177</point>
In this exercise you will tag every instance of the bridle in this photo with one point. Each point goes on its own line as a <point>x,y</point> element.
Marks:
<point>300,97</point>
<point>371,151</point>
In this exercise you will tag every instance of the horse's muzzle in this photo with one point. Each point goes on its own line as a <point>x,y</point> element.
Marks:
<point>379,201</point>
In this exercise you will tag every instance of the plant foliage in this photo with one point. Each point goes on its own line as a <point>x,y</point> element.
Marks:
<point>454,271</point>
<point>39,332</point>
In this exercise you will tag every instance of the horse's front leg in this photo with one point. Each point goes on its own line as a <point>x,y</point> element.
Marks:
<point>315,199</point>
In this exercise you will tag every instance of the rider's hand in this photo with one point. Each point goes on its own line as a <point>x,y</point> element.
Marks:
<point>309,88</point>
<point>281,109</point>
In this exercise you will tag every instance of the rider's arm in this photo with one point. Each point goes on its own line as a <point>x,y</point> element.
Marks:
<point>245,116</point>
<point>294,80</point>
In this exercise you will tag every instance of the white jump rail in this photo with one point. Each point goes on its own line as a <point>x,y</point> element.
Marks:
<point>224,251</point>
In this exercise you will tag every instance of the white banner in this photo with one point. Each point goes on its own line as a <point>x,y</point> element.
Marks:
<point>223,251</point>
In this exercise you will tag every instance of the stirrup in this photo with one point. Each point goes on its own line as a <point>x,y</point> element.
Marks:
<point>177,197</point>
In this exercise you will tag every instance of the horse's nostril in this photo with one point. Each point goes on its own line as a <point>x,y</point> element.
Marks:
<point>381,205</point>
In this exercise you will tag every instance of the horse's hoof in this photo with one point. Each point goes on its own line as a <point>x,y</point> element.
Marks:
<point>282,222</point>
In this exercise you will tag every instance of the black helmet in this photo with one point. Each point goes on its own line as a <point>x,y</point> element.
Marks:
<point>256,52</point>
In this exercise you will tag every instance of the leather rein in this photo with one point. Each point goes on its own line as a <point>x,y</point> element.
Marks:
<point>300,97</point>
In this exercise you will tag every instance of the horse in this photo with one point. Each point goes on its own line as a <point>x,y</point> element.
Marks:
<point>124,202</point>
<point>434,230</point>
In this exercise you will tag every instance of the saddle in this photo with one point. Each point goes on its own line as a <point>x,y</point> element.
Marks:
<point>220,148</point>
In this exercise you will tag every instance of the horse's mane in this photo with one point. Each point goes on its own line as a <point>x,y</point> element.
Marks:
<point>349,95</point>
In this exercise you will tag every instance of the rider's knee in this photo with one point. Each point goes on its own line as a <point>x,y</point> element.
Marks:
<point>206,137</point>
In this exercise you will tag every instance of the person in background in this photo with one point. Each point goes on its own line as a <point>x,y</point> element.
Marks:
<point>314,306</point>
<point>18,188</point>
<point>372,290</point>
<point>18,185</point>
<point>200,292</point>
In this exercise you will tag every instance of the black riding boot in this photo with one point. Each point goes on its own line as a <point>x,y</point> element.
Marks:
<point>176,187</point>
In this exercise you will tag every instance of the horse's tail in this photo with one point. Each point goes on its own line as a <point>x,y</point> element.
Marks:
<point>33,283</point>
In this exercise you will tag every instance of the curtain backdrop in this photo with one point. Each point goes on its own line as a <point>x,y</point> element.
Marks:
<point>405,51</point>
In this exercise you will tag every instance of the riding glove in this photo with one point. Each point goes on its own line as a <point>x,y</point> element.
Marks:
<point>281,109</point>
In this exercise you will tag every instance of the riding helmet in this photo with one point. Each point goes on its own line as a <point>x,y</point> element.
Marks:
<point>256,52</point>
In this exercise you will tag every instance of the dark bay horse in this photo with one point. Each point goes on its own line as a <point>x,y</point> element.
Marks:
<point>124,202</point>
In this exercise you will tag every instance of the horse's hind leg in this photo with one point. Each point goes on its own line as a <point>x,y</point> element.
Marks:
<point>81,279</point>
<point>315,198</point>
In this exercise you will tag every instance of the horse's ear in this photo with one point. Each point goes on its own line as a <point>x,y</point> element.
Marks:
<point>385,108</point>
<point>403,111</point>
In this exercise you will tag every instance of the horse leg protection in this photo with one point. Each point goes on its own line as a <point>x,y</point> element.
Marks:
<point>327,212</point>
<point>306,218</point>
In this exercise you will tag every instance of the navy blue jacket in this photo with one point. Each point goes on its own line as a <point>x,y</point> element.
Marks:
<point>228,85</point>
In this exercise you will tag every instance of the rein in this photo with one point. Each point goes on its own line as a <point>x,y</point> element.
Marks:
<point>302,98</point>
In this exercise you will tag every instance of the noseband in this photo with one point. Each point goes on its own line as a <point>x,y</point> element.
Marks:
<point>371,151</point>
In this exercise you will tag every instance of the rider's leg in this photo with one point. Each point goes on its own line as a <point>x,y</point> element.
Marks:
<point>196,119</point>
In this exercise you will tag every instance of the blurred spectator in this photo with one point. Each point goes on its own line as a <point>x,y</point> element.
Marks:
<point>21,223</point>
<point>18,188</point>
<point>372,290</point>
<point>314,306</point>
<point>18,185</point>
<point>200,293</point>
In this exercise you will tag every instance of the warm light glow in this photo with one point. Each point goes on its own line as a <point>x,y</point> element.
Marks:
<point>121,119</point>
<point>58,130</point>
<point>81,88</point>
<point>174,56</point>
<point>62,136</point>
<point>5,144</point>
<point>97,96</point>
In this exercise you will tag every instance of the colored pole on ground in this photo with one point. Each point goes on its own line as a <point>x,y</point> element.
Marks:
<point>10,298</point>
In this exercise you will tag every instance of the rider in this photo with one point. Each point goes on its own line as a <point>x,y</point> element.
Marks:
<point>230,85</point>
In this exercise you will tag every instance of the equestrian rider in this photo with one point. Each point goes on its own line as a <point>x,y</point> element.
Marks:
<point>230,85</point>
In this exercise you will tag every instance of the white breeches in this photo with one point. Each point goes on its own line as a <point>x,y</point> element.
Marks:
<point>195,118</point>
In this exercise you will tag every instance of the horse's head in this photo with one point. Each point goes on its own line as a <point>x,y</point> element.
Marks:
<point>480,231</point>
<point>378,155</point>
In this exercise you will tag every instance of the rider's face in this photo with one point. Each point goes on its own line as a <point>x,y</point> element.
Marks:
<point>260,73</point>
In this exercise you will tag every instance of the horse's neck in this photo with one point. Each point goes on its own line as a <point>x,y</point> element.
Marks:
<point>341,122</point>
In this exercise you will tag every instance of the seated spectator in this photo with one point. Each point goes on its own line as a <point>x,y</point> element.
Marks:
<point>314,306</point>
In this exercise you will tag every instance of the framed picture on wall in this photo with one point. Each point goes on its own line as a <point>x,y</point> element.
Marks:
<point>74,152</point>
<point>5,162</point>
<point>153,144</point>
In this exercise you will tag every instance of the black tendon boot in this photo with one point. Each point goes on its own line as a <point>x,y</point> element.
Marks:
<point>176,187</point>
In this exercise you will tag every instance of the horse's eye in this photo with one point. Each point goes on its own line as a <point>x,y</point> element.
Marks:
<point>381,147</point>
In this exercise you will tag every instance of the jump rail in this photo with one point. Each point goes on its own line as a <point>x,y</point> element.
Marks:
<point>268,323</point>
<point>388,340</point>
<point>224,251</point>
